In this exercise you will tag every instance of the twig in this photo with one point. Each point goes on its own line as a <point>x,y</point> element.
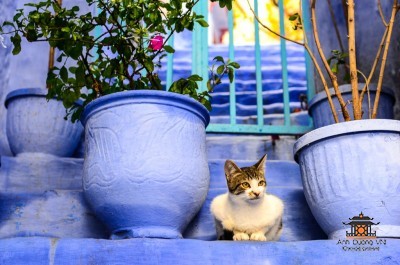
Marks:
<point>384,56</point>
<point>378,56</point>
<point>352,60</point>
<point>381,13</point>
<point>331,75</point>
<point>335,25</point>
<point>367,89</point>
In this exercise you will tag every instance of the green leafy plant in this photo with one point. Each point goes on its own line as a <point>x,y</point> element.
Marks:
<point>125,55</point>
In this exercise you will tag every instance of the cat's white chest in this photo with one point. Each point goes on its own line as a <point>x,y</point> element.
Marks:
<point>247,217</point>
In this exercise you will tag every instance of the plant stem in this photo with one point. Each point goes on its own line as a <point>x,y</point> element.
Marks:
<point>353,60</point>
<point>384,56</point>
<point>331,75</point>
<point>52,50</point>
<point>381,13</point>
<point>335,24</point>
<point>378,55</point>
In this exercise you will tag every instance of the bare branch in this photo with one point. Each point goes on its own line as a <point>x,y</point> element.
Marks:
<point>381,14</point>
<point>270,30</point>
<point>353,60</point>
<point>378,56</point>
<point>331,75</point>
<point>384,56</point>
<point>335,25</point>
<point>324,84</point>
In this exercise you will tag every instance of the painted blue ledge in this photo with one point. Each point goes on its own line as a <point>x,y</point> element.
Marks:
<point>187,251</point>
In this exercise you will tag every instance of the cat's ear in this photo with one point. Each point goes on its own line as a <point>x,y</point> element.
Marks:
<point>230,169</point>
<point>260,165</point>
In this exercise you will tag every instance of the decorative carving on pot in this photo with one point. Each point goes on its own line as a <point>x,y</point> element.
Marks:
<point>145,171</point>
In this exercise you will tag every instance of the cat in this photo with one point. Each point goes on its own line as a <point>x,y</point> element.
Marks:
<point>246,212</point>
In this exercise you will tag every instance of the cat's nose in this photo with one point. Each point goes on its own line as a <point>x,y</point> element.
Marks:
<point>256,194</point>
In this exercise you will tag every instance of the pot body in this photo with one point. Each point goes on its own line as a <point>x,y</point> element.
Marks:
<point>35,125</point>
<point>349,168</point>
<point>321,113</point>
<point>145,168</point>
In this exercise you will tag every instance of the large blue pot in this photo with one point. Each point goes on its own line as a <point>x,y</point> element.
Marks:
<point>145,169</point>
<point>35,125</point>
<point>352,167</point>
<point>321,113</point>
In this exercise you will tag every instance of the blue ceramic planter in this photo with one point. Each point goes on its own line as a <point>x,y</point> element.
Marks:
<point>321,113</point>
<point>145,169</point>
<point>352,167</point>
<point>35,125</point>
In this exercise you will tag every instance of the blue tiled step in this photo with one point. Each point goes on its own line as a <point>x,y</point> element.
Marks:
<point>42,196</point>
<point>187,251</point>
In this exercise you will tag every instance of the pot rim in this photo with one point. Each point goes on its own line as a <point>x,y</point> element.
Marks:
<point>25,92</point>
<point>342,128</point>
<point>145,96</point>
<point>29,92</point>
<point>346,88</point>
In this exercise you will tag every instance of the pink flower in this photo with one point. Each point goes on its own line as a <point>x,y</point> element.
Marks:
<point>156,43</point>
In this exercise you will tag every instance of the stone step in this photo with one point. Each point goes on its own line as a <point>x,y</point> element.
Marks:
<point>186,251</point>
<point>42,196</point>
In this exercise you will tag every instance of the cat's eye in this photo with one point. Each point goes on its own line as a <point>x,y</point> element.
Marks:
<point>245,185</point>
<point>262,183</point>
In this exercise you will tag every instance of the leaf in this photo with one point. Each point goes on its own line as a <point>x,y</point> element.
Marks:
<point>293,17</point>
<point>169,49</point>
<point>75,8</point>
<point>195,78</point>
<point>202,23</point>
<point>334,68</point>
<point>59,58</point>
<point>149,66</point>
<point>219,59</point>
<point>8,23</point>
<point>64,74</point>
<point>220,69</point>
<point>231,75</point>
<point>234,65</point>
<point>75,51</point>
<point>16,40</point>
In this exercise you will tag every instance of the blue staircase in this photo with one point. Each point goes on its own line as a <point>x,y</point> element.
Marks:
<point>246,98</point>
<point>44,218</point>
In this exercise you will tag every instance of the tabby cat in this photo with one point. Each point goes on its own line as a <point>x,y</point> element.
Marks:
<point>246,212</point>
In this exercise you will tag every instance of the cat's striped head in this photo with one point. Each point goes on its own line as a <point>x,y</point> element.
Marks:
<point>246,182</point>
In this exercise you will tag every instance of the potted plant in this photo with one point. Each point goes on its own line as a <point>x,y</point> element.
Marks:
<point>145,166</point>
<point>350,166</point>
<point>41,128</point>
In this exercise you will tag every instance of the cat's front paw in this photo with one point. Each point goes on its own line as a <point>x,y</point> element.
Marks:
<point>240,236</point>
<point>259,236</point>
